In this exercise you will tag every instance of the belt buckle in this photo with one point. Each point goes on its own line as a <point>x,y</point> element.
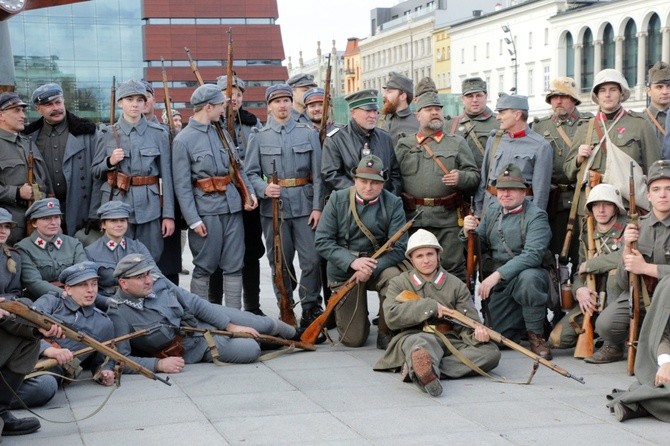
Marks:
<point>289,182</point>
<point>429,202</point>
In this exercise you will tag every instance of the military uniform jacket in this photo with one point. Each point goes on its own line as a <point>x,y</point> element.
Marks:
<point>665,152</point>
<point>654,245</point>
<point>422,177</point>
<point>340,241</point>
<point>14,173</point>
<point>526,234</point>
<point>607,257</point>
<point>20,344</point>
<point>147,153</point>
<point>166,305</point>
<point>408,317</point>
<point>401,122</point>
<point>483,124</point>
<point>198,150</point>
<point>342,151</point>
<point>301,118</point>
<point>657,117</point>
<point>42,261</point>
<point>107,254</point>
<point>296,151</point>
<point>245,123</point>
<point>77,161</point>
<point>87,320</point>
<point>10,283</point>
<point>530,152</point>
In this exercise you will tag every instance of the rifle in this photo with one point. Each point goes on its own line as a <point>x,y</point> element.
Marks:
<point>45,321</point>
<point>470,262</point>
<point>235,166</point>
<point>167,102</point>
<point>584,347</point>
<point>312,332</point>
<point>633,283</point>
<point>326,104</point>
<point>265,338</point>
<point>230,113</point>
<point>462,319</point>
<point>572,217</point>
<point>285,305</point>
<point>31,178</point>
<point>46,364</point>
<point>112,101</point>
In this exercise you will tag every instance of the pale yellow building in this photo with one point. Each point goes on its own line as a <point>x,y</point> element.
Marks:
<point>352,66</point>
<point>442,60</point>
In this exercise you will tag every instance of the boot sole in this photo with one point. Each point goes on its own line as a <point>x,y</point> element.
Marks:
<point>422,364</point>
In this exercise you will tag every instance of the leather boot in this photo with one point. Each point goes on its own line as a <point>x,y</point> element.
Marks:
<point>538,346</point>
<point>623,412</point>
<point>251,279</point>
<point>200,286</point>
<point>9,424</point>
<point>384,334</point>
<point>609,352</point>
<point>232,290</point>
<point>422,364</point>
<point>215,292</point>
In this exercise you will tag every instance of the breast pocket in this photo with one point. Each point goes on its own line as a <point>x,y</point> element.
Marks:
<point>303,159</point>
<point>202,160</point>
<point>150,156</point>
<point>9,164</point>
<point>410,162</point>
<point>525,162</point>
<point>268,155</point>
<point>448,160</point>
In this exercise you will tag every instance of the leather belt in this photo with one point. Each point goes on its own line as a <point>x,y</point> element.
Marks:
<point>213,184</point>
<point>294,182</point>
<point>452,201</point>
<point>122,181</point>
<point>494,191</point>
<point>564,187</point>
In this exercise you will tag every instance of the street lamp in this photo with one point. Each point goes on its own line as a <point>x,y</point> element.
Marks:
<point>513,54</point>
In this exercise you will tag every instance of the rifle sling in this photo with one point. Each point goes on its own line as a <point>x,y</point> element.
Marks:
<point>431,154</point>
<point>564,136</point>
<point>473,137</point>
<point>655,122</point>
<point>357,219</point>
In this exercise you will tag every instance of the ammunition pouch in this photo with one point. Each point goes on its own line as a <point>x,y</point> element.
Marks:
<point>123,182</point>
<point>173,348</point>
<point>449,202</point>
<point>213,184</point>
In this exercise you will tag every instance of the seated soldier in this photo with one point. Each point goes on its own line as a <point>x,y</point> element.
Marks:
<point>423,356</point>
<point>514,235</point>
<point>75,307</point>
<point>347,236</point>
<point>47,251</point>
<point>145,301</point>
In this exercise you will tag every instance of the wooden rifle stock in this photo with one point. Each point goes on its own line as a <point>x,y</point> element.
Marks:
<point>572,217</point>
<point>470,262</point>
<point>230,113</point>
<point>167,102</point>
<point>494,335</point>
<point>235,166</point>
<point>265,338</point>
<point>31,181</point>
<point>326,104</point>
<point>633,283</point>
<point>112,101</point>
<point>45,322</point>
<point>286,313</point>
<point>311,333</point>
<point>584,347</point>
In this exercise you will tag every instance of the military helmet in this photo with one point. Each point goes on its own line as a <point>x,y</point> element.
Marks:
<point>422,239</point>
<point>610,75</point>
<point>605,192</point>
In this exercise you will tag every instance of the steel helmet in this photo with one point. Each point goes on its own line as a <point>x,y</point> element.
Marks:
<point>422,239</point>
<point>610,75</point>
<point>608,193</point>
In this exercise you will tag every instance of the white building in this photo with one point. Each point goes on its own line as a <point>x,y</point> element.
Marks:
<point>318,66</point>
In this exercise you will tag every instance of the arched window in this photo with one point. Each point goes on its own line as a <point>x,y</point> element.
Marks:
<point>608,48</point>
<point>587,60</point>
<point>630,53</point>
<point>569,56</point>
<point>654,41</point>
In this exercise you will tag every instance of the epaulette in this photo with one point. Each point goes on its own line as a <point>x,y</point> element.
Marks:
<point>333,131</point>
<point>636,114</point>
<point>112,303</point>
<point>263,129</point>
<point>153,125</point>
<point>301,124</point>
<point>585,116</point>
<point>543,118</point>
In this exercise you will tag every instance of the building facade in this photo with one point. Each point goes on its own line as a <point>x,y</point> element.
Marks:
<point>318,66</point>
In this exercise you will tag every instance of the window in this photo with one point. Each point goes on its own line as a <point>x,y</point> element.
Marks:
<point>569,56</point>
<point>608,48</point>
<point>531,73</point>
<point>546,77</point>
<point>462,55</point>
<point>587,61</point>
<point>654,41</point>
<point>546,36</point>
<point>630,53</point>
<point>488,46</point>
<point>500,48</point>
<point>530,40</point>
<point>474,53</point>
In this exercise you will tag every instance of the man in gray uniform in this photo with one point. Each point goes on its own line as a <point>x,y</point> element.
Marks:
<point>134,157</point>
<point>345,147</point>
<point>211,205</point>
<point>559,129</point>
<point>477,120</point>
<point>658,90</point>
<point>396,117</point>
<point>67,144</point>
<point>292,151</point>
<point>145,302</point>
<point>514,235</point>
<point>16,194</point>
<point>515,143</point>
<point>300,83</point>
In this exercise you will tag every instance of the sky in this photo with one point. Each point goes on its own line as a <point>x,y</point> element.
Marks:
<point>304,22</point>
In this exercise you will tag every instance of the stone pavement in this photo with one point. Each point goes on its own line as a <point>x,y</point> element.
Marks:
<point>332,396</point>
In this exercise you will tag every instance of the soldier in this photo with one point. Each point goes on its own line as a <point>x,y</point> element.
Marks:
<point>651,260</point>
<point>245,123</point>
<point>558,129</point>
<point>658,91</point>
<point>356,222</point>
<point>292,151</point>
<point>514,235</point>
<point>345,147</point>
<point>149,111</point>
<point>396,117</point>
<point>212,207</point>
<point>74,305</point>
<point>176,119</point>
<point>145,302</point>
<point>515,143</point>
<point>313,99</point>
<point>134,156</point>
<point>67,143</point>
<point>421,157</point>
<point>47,251</point>
<point>18,152</point>
<point>477,120</point>
<point>628,130</point>
<point>422,355</point>
<point>299,84</point>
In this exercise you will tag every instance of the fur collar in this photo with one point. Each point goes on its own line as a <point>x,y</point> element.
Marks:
<point>76,126</point>
<point>246,118</point>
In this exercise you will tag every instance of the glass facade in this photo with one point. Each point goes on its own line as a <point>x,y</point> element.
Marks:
<point>81,47</point>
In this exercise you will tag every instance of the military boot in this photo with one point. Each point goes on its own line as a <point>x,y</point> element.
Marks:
<point>623,412</point>
<point>609,352</point>
<point>538,346</point>
<point>200,286</point>
<point>251,277</point>
<point>384,334</point>
<point>424,374</point>
<point>232,290</point>
<point>9,424</point>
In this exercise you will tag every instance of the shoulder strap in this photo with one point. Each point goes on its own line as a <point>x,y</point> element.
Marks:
<point>655,122</point>
<point>494,149</point>
<point>431,154</point>
<point>473,137</point>
<point>454,124</point>
<point>357,219</point>
<point>564,136</point>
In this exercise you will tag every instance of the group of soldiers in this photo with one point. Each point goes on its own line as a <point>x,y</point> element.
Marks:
<point>91,220</point>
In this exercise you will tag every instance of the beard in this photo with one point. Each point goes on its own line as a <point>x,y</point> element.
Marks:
<point>389,108</point>
<point>435,124</point>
